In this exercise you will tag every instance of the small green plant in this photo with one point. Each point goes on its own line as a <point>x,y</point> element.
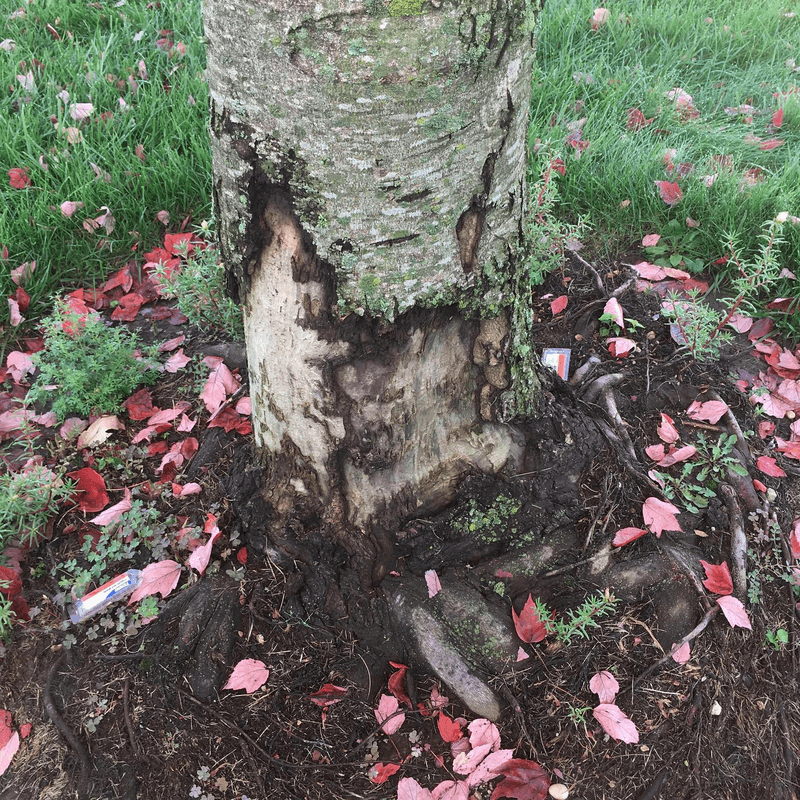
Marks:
<point>27,501</point>
<point>675,244</point>
<point>579,621</point>
<point>697,480</point>
<point>702,327</point>
<point>577,714</point>
<point>87,367</point>
<point>778,638</point>
<point>486,524</point>
<point>198,284</point>
<point>7,615</point>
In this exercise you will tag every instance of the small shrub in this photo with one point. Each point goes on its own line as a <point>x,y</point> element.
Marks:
<point>87,367</point>
<point>198,284</point>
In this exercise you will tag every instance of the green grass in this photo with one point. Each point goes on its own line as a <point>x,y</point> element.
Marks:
<point>167,116</point>
<point>646,49</point>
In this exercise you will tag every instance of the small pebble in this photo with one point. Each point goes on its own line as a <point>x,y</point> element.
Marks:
<point>558,791</point>
<point>716,709</point>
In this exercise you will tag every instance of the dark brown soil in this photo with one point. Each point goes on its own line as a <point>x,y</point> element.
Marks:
<point>724,726</point>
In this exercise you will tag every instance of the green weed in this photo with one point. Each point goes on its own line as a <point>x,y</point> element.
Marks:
<point>579,621</point>
<point>87,367</point>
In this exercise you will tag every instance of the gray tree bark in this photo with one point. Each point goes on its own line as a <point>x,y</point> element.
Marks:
<point>370,186</point>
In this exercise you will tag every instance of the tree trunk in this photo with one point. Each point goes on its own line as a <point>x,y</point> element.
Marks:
<point>370,184</point>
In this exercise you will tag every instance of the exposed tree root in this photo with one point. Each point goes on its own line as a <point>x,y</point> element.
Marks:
<point>64,729</point>
<point>738,542</point>
<point>693,634</point>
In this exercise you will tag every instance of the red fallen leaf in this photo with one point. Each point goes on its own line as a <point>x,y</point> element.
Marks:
<point>5,727</point>
<point>660,516</point>
<point>179,244</point>
<point>158,578</point>
<point>22,298</point>
<point>651,240</point>
<point>619,346</point>
<point>522,779</point>
<point>614,310</point>
<point>112,512</point>
<point>711,411</point>
<point>794,539</point>
<point>637,121</point>
<point>559,304</point>
<point>327,695</point>
<point>771,144</point>
<point>676,456</point>
<point>605,686</point>
<point>734,612</point>
<point>241,556</point>
<point>227,419</point>
<point>202,555</point>
<point>616,723</point>
<point>19,177</point>
<point>449,729</point>
<point>770,467</point>
<point>409,789</point>
<point>530,628</point>
<point>10,583</point>
<point>90,488</point>
<point>8,751</point>
<point>680,655</point>
<point>219,384</point>
<point>777,118</point>
<point>157,448</point>
<point>432,580</point>
<point>761,327</point>
<point>758,485</point>
<point>122,278</point>
<point>648,271</point>
<point>387,716</point>
<point>484,731</point>
<point>397,683</point>
<point>626,535</point>
<point>380,772</point>
<point>128,308</point>
<point>140,405</point>
<point>718,577</point>
<point>670,192</point>
<point>249,674</point>
<point>25,729</point>
<point>667,431</point>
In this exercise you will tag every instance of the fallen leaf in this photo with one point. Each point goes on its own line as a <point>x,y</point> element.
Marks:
<point>449,729</point>
<point>90,488</point>
<point>484,731</point>
<point>8,751</point>
<point>327,695</point>
<point>380,772</point>
<point>397,683</point>
<point>559,304</point>
<point>388,706</point>
<point>530,628</point>
<point>619,346</point>
<point>794,538</point>
<point>465,763</point>
<point>616,723</point>
<point>670,192</point>
<point>522,779</point>
<point>614,310</point>
<point>626,535</point>
<point>202,555</point>
<point>112,512</point>
<point>176,361</point>
<point>734,612</point>
<point>718,577</point>
<point>660,516</point>
<point>249,674</point>
<point>485,771</point>
<point>605,686</point>
<point>600,17</point>
<point>648,271</point>
<point>432,580</point>
<point>99,431</point>
<point>680,655</point>
<point>667,431</point>
<point>160,577</point>
<point>770,467</point>
<point>409,789</point>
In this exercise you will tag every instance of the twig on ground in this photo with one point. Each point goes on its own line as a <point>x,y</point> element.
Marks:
<point>693,634</point>
<point>598,281</point>
<point>75,743</point>
<point>738,542</point>
<point>128,722</point>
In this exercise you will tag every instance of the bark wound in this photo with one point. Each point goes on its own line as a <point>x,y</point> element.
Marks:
<point>489,352</point>
<point>468,233</point>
